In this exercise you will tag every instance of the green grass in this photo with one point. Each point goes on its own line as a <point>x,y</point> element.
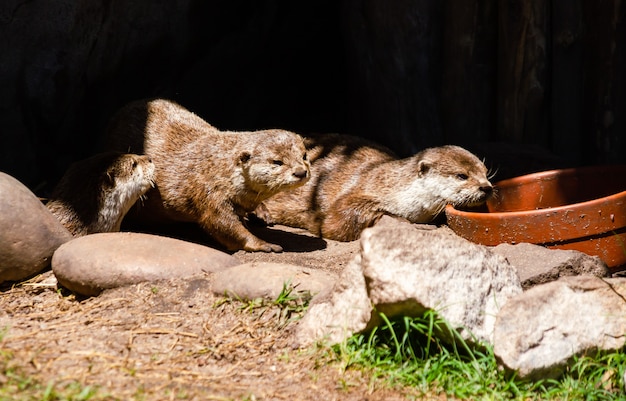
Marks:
<point>409,352</point>
<point>290,303</point>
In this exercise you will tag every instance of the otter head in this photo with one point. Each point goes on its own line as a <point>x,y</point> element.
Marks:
<point>131,169</point>
<point>131,177</point>
<point>277,162</point>
<point>459,177</point>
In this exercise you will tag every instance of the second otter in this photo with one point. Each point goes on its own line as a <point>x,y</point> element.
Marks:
<point>94,194</point>
<point>204,175</point>
<point>354,182</point>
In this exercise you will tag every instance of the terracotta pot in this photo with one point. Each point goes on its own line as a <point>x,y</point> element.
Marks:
<point>580,208</point>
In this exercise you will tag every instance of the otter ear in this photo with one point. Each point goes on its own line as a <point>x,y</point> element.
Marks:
<point>244,157</point>
<point>422,168</point>
<point>109,179</point>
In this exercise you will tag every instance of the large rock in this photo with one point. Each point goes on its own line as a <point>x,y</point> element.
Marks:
<point>536,264</point>
<point>410,269</point>
<point>93,263</point>
<point>406,269</point>
<point>538,332</point>
<point>267,280</point>
<point>29,233</point>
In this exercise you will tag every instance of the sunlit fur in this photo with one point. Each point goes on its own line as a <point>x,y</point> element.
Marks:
<point>354,182</point>
<point>205,175</point>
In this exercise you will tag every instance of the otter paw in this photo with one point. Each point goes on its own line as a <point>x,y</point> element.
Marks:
<point>263,247</point>
<point>261,215</point>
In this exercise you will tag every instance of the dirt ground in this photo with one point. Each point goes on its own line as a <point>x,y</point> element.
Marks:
<point>176,340</point>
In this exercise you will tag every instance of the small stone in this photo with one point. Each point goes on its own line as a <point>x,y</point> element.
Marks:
<point>90,264</point>
<point>536,264</point>
<point>29,233</point>
<point>266,280</point>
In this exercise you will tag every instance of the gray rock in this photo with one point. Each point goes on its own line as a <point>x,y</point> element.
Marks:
<point>338,314</point>
<point>405,269</point>
<point>266,280</point>
<point>538,332</point>
<point>29,233</point>
<point>409,269</point>
<point>538,265</point>
<point>93,263</point>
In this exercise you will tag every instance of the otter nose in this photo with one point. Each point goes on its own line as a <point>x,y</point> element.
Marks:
<point>300,172</point>
<point>487,189</point>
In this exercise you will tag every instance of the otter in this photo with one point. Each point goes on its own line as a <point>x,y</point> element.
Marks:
<point>354,182</point>
<point>207,176</point>
<point>96,193</point>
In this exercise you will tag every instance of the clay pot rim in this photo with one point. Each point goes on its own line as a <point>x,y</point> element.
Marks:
<point>549,174</point>
<point>593,203</point>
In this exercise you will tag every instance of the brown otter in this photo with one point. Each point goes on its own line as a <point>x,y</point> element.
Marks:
<point>354,182</point>
<point>95,194</point>
<point>204,175</point>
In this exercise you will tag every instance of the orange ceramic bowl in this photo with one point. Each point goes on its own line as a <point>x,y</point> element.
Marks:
<point>579,208</point>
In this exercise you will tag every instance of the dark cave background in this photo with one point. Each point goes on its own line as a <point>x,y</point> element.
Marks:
<point>527,85</point>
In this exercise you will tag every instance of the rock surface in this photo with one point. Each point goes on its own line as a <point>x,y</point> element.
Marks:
<point>538,332</point>
<point>266,280</point>
<point>410,269</point>
<point>406,269</point>
<point>93,263</point>
<point>538,265</point>
<point>29,233</point>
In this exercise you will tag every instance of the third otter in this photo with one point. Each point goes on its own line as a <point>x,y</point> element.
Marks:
<point>94,194</point>
<point>354,182</point>
<point>204,175</point>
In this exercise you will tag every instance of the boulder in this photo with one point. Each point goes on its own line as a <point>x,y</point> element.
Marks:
<point>410,269</point>
<point>404,270</point>
<point>536,264</point>
<point>93,263</point>
<point>538,332</point>
<point>29,233</point>
<point>266,280</point>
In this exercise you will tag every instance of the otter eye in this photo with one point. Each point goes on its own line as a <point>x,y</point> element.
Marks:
<point>277,162</point>
<point>462,177</point>
<point>134,163</point>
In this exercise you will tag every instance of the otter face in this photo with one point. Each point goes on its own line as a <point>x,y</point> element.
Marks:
<point>131,176</point>
<point>279,162</point>
<point>462,177</point>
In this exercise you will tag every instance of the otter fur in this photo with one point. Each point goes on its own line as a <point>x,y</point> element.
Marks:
<point>354,182</point>
<point>207,176</point>
<point>95,194</point>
